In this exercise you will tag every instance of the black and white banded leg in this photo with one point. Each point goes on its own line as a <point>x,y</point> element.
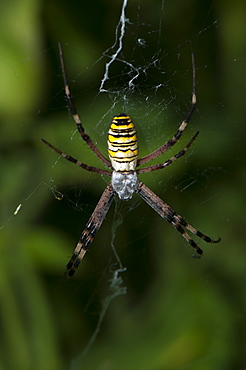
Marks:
<point>182,126</point>
<point>156,167</point>
<point>172,217</point>
<point>75,115</point>
<point>91,228</point>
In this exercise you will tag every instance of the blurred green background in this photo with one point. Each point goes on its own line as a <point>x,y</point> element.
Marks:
<point>177,312</point>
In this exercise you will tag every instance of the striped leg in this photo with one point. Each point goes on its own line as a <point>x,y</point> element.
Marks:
<point>92,227</point>
<point>169,161</point>
<point>182,126</point>
<point>78,163</point>
<point>172,217</point>
<point>75,115</point>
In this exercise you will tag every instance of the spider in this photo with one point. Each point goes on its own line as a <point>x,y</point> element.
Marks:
<point>123,155</point>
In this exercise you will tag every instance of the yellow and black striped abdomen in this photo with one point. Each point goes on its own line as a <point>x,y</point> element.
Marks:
<point>122,144</point>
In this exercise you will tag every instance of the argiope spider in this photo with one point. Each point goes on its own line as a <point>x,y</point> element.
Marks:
<point>123,154</point>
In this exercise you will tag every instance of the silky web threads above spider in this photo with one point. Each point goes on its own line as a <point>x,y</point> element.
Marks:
<point>123,154</point>
<point>122,144</point>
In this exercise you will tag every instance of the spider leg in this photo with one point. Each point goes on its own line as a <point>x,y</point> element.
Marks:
<point>75,115</point>
<point>182,126</point>
<point>169,161</point>
<point>91,228</point>
<point>78,163</point>
<point>172,217</point>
